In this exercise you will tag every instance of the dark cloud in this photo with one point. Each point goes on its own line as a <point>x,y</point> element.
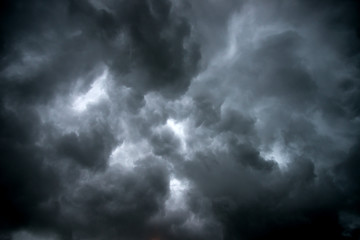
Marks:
<point>26,182</point>
<point>145,36</point>
<point>90,149</point>
<point>113,204</point>
<point>165,143</point>
<point>179,120</point>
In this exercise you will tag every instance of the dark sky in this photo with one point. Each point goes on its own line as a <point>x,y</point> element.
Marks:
<point>179,119</point>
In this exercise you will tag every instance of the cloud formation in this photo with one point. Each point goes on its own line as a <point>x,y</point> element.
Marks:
<point>176,119</point>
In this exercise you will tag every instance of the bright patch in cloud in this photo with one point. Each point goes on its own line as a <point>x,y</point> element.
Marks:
<point>278,154</point>
<point>128,153</point>
<point>178,190</point>
<point>96,93</point>
<point>179,130</point>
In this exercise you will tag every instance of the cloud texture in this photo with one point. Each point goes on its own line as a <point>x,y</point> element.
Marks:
<point>169,119</point>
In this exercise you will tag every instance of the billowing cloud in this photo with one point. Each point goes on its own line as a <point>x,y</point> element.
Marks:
<point>179,119</point>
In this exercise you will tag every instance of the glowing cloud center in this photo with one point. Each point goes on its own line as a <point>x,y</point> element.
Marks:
<point>96,93</point>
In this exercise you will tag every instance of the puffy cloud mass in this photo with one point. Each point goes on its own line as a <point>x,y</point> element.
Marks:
<point>172,119</point>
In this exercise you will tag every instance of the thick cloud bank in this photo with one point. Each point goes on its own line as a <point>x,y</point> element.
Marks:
<point>172,119</point>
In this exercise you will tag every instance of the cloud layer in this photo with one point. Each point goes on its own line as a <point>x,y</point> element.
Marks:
<point>176,119</point>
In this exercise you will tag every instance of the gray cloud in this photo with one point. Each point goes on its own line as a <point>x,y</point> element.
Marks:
<point>179,120</point>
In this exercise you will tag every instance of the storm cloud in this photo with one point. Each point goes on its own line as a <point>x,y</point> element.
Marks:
<point>169,119</point>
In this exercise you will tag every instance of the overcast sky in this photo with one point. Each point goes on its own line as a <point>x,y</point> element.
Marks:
<point>179,119</point>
